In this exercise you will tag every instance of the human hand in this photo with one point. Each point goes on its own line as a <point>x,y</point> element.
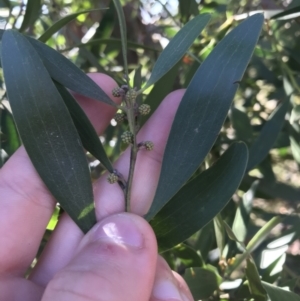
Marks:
<point>117,259</point>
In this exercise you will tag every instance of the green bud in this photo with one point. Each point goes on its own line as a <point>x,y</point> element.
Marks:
<point>144,109</point>
<point>112,178</point>
<point>127,137</point>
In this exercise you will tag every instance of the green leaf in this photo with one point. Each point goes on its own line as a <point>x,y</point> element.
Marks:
<point>11,141</point>
<point>278,294</point>
<point>69,75</point>
<point>267,137</point>
<point>202,282</point>
<point>201,199</point>
<point>242,215</point>
<point>187,8</point>
<point>177,47</point>
<point>188,256</point>
<point>61,23</point>
<point>85,129</point>
<point>288,13</point>
<point>33,10</point>
<point>46,129</point>
<point>256,240</point>
<point>204,108</point>
<point>220,233</point>
<point>114,44</point>
<point>229,232</point>
<point>123,31</point>
<point>137,83</point>
<point>255,285</point>
<point>161,89</point>
<point>242,126</point>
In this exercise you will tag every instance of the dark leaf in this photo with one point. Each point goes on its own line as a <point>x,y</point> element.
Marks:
<point>267,137</point>
<point>61,23</point>
<point>201,199</point>
<point>241,124</point>
<point>123,31</point>
<point>67,74</point>
<point>188,256</point>
<point>85,129</point>
<point>187,8</point>
<point>11,141</point>
<point>47,130</point>
<point>33,10</point>
<point>202,282</point>
<point>160,90</point>
<point>288,13</point>
<point>177,47</point>
<point>115,44</point>
<point>204,108</point>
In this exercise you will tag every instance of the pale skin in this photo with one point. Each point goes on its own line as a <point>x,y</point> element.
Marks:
<point>117,259</point>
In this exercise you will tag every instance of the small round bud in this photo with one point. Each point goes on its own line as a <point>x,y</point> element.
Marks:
<point>112,178</point>
<point>149,145</point>
<point>144,109</point>
<point>127,137</point>
<point>119,117</point>
<point>131,95</point>
<point>116,92</point>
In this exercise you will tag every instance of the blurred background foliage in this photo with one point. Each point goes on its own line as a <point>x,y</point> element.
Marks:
<point>264,213</point>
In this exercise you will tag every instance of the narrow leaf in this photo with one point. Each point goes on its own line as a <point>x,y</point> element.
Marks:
<point>187,8</point>
<point>161,89</point>
<point>219,233</point>
<point>291,13</point>
<point>255,286</point>
<point>202,282</point>
<point>278,294</point>
<point>47,130</point>
<point>11,141</point>
<point>114,44</point>
<point>201,199</point>
<point>177,47</point>
<point>123,31</point>
<point>67,74</point>
<point>85,129</point>
<point>256,240</point>
<point>242,215</point>
<point>242,126</point>
<point>61,23</point>
<point>267,137</point>
<point>204,108</point>
<point>33,10</point>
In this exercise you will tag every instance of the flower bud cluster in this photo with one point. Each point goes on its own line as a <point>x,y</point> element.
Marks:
<point>127,137</point>
<point>119,117</point>
<point>144,109</point>
<point>112,178</point>
<point>131,96</point>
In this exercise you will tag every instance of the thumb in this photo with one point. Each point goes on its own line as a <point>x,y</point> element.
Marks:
<point>116,260</point>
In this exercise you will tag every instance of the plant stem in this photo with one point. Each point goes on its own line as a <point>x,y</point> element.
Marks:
<point>133,155</point>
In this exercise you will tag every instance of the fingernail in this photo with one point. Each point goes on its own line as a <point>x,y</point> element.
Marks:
<point>166,290</point>
<point>121,230</point>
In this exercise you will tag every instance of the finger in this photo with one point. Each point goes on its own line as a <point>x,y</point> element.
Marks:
<point>110,198</point>
<point>183,287</point>
<point>115,261</point>
<point>166,286</point>
<point>26,204</point>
